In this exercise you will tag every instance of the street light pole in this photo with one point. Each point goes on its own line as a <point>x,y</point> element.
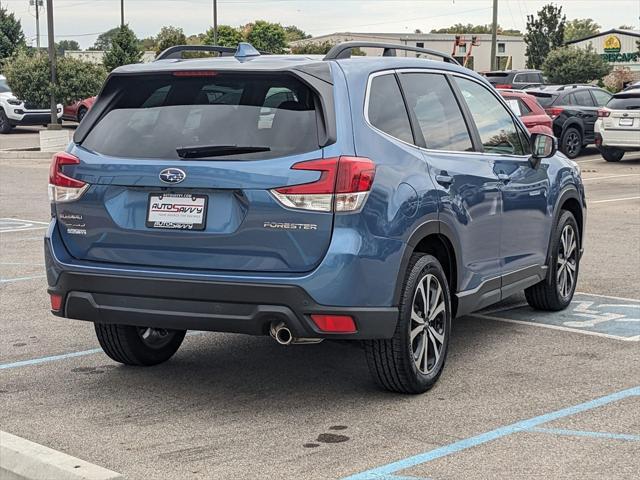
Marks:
<point>122,13</point>
<point>215,22</point>
<point>37,2</point>
<point>52,61</point>
<point>494,35</point>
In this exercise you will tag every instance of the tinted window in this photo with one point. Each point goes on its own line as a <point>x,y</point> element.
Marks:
<point>583,98</point>
<point>162,114</point>
<point>498,132</point>
<point>386,108</point>
<point>4,88</point>
<point>544,99</point>
<point>441,122</point>
<point>524,108</point>
<point>601,96</point>
<point>625,102</point>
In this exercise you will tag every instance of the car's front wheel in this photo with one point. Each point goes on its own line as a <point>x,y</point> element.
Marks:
<point>556,291</point>
<point>611,154</point>
<point>5,125</point>
<point>413,359</point>
<point>138,345</point>
<point>571,143</point>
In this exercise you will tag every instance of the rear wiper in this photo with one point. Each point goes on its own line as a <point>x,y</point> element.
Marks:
<point>203,151</point>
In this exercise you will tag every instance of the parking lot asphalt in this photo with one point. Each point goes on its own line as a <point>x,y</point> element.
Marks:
<point>523,395</point>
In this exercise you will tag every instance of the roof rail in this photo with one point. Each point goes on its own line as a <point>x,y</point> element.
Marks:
<point>574,85</point>
<point>343,50</point>
<point>242,51</point>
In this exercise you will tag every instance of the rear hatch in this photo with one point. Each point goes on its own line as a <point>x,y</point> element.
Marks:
<point>180,167</point>
<point>502,79</point>
<point>624,113</point>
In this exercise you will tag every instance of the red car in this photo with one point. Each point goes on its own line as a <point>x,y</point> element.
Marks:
<point>529,110</point>
<point>76,111</point>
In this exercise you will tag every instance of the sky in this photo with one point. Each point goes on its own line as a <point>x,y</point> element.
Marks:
<point>84,20</point>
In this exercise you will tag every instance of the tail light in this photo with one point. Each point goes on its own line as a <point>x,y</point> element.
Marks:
<point>334,323</point>
<point>603,113</point>
<point>506,85</point>
<point>554,111</point>
<point>343,186</point>
<point>56,302</point>
<point>63,188</point>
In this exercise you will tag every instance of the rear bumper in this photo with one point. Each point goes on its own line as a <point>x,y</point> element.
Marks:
<point>154,300</point>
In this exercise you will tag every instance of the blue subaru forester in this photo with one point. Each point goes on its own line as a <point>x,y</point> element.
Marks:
<point>365,198</point>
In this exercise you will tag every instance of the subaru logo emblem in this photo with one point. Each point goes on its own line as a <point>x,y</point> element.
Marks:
<point>172,175</point>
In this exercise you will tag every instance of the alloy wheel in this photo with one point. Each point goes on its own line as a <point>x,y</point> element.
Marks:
<point>428,319</point>
<point>567,262</point>
<point>572,143</point>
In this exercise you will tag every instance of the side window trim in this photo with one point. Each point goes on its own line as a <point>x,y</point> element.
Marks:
<point>418,138</point>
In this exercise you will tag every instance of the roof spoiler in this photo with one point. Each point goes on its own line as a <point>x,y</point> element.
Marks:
<point>344,49</point>
<point>244,51</point>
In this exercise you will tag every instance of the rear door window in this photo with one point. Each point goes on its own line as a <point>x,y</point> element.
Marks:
<point>583,98</point>
<point>431,99</point>
<point>497,129</point>
<point>245,116</point>
<point>386,110</point>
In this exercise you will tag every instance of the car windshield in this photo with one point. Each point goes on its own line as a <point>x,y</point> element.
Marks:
<point>625,102</point>
<point>4,86</point>
<point>243,116</point>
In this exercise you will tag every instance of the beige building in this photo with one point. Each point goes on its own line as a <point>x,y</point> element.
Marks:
<point>617,47</point>
<point>510,50</point>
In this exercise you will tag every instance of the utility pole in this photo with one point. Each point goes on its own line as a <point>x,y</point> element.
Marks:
<point>215,22</point>
<point>121,13</point>
<point>52,61</point>
<point>494,35</point>
<point>37,2</point>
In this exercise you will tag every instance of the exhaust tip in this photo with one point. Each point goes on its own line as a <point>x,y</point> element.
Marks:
<point>283,336</point>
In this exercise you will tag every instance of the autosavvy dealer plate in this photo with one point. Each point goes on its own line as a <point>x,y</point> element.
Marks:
<point>177,211</point>
<point>626,122</point>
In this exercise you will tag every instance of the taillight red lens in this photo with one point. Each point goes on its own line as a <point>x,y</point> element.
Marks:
<point>553,112</point>
<point>334,323</point>
<point>343,185</point>
<point>56,302</point>
<point>603,113</point>
<point>57,178</point>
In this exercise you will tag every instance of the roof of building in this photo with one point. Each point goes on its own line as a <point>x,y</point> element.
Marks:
<point>406,36</point>
<point>632,33</point>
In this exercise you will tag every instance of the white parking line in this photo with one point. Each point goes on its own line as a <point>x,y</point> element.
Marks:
<point>608,296</point>
<point>10,225</point>
<point>615,200</point>
<point>612,176</point>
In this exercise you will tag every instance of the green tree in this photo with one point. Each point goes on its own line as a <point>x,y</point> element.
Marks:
<point>29,77</point>
<point>574,65</point>
<point>124,49</point>
<point>321,48</point>
<point>268,37</point>
<point>148,43</point>
<point>169,37</point>
<point>11,34</point>
<point>580,28</point>
<point>544,33</point>
<point>227,36</point>
<point>64,45</point>
<point>103,42</point>
<point>294,33</point>
<point>470,28</point>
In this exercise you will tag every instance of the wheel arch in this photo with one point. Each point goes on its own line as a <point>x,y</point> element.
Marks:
<point>569,199</point>
<point>433,238</point>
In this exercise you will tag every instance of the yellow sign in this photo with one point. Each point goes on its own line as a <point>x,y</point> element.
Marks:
<point>612,44</point>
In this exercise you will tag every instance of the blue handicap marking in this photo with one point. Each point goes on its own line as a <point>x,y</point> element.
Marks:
<point>592,314</point>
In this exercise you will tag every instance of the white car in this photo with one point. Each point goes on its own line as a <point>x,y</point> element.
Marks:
<point>618,126</point>
<point>15,112</point>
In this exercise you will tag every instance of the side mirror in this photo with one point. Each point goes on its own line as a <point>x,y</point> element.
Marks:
<point>542,146</point>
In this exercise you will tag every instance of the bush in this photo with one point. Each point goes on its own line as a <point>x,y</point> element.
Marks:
<point>170,37</point>
<point>227,36</point>
<point>267,37</point>
<point>574,65</point>
<point>616,80</point>
<point>29,78</point>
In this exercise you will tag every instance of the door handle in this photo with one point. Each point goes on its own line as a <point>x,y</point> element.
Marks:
<point>444,180</point>
<point>504,178</point>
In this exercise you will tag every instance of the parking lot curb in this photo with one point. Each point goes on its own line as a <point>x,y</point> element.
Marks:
<point>21,459</point>
<point>24,154</point>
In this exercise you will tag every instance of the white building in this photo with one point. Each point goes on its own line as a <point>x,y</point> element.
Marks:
<point>96,56</point>
<point>617,47</point>
<point>510,49</point>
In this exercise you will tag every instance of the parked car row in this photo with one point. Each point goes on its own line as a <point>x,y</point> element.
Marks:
<point>617,129</point>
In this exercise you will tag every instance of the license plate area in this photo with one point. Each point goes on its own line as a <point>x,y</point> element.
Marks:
<point>177,211</point>
<point>626,122</point>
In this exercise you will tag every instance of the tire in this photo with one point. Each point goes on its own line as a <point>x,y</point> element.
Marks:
<point>81,113</point>
<point>550,294</point>
<point>397,364</point>
<point>571,143</point>
<point>5,125</point>
<point>126,344</point>
<point>611,154</point>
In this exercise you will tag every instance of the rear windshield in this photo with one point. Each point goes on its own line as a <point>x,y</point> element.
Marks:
<point>497,77</point>
<point>244,116</point>
<point>625,102</point>
<point>4,88</point>
<point>544,99</point>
